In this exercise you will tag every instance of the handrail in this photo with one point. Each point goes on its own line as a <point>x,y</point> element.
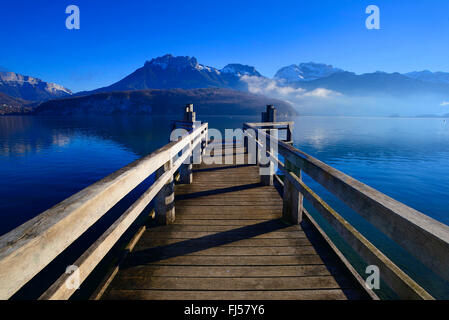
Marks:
<point>270,124</point>
<point>422,236</point>
<point>29,248</point>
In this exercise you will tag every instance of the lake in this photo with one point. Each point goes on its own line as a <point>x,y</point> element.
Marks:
<point>44,160</point>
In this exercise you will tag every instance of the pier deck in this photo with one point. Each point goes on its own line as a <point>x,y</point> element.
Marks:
<point>229,242</point>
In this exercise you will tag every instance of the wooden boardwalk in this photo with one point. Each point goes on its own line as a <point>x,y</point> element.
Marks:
<point>229,242</point>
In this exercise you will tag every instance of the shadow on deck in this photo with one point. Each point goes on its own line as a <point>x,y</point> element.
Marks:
<point>229,242</point>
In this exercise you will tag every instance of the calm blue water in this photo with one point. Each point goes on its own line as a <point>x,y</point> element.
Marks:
<point>44,160</point>
<point>405,158</point>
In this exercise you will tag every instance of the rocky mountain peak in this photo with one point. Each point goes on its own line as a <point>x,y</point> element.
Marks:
<point>240,70</point>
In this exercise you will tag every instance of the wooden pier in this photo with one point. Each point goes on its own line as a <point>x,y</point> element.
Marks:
<point>229,242</point>
<point>229,226</point>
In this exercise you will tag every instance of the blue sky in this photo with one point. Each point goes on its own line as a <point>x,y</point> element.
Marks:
<point>117,37</point>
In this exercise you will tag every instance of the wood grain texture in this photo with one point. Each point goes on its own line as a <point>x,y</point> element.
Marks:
<point>229,242</point>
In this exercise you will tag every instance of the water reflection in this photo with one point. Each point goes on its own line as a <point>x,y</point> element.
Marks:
<point>407,159</point>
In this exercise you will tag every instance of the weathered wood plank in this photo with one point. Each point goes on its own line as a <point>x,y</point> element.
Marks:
<point>233,208</point>
<point>178,249</point>
<point>201,212</point>
<point>219,222</point>
<point>216,216</point>
<point>225,202</point>
<point>147,271</point>
<point>214,229</point>
<point>228,235</point>
<point>325,294</point>
<point>228,238</point>
<point>149,243</point>
<point>212,283</point>
<point>224,261</point>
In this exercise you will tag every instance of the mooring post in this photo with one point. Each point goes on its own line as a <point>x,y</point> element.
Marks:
<point>270,114</point>
<point>165,199</point>
<point>292,199</point>
<point>189,114</point>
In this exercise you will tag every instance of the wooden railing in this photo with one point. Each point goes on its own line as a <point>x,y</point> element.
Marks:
<point>425,238</point>
<point>29,248</point>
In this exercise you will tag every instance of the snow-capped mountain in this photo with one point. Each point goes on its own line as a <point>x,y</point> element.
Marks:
<point>183,72</point>
<point>240,70</point>
<point>29,88</point>
<point>305,72</point>
<point>429,76</point>
<point>179,63</point>
<point>170,72</point>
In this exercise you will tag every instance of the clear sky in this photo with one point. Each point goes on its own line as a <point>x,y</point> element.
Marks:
<point>117,37</point>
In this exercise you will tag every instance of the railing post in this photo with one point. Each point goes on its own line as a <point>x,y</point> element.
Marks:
<point>245,139</point>
<point>206,139</point>
<point>165,199</point>
<point>289,133</point>
<point>270,114</point>
<point>186,169</point>
<point>256,134</point>
<point>197,157</point>
<point>292,198</point>
<point>186,173</point>
<point>267,179</point>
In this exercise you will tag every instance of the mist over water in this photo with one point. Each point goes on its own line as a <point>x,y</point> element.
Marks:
<point>326,102</point>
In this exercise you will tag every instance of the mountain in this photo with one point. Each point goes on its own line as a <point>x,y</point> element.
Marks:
<point>11,105</point>
<point>428,76</point>
<point>212,101</point>
<point>29,88</point>
<point>239,70</point>
<point>169,72</point>
<point>369,84</point>
<point>313,75</point>
<point>305,72</point>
